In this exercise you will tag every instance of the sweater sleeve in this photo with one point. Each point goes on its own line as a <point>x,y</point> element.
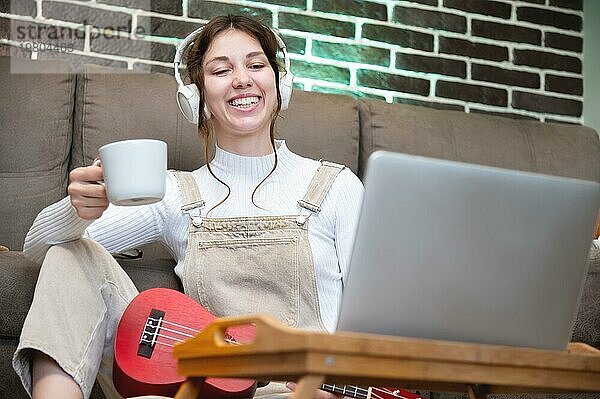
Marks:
<point>118,229</point>
<point>55,224</point>
<point>348,202</point>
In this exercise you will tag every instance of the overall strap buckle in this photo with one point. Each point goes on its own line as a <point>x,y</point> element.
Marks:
<point>318,188</point>
<point>190,196</point>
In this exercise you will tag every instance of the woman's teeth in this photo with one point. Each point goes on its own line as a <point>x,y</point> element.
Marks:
<point>244,102</point>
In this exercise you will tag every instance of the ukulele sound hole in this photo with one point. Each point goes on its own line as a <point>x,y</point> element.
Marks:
<point>150,333</point>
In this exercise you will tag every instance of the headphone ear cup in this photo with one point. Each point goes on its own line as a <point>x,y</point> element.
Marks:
<point>188,99</point>
<point>286,82</point>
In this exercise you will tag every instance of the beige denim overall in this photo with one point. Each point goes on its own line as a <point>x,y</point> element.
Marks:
<point>257,264</point>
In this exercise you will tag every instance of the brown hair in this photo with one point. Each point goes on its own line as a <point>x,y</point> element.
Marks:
<point>195,58</point>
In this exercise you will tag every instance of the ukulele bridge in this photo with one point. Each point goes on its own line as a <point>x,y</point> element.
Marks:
<point>150,333</point>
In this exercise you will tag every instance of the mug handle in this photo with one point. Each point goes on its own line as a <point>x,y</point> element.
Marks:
<point>98,162</point>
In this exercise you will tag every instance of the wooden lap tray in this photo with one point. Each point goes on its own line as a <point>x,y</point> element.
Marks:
<point>280,353</point>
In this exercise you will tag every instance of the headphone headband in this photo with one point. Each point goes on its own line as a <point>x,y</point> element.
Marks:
<point>188,96</point>
<point>179,53</point>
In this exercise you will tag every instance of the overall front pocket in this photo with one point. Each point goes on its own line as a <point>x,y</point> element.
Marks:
<point>252,275</point>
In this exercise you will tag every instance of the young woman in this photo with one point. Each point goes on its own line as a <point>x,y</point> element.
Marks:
<point>263,229</point>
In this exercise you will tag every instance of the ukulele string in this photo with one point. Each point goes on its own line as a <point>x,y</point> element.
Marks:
<point>194,331</point>
<point>148,341</point>
<point>359,392</point>
<point>355,391</point>
<point>169,337</point>
<point>364,393</point>
<point>159,343</point>
<point>163,321</point>
<point>176,332</point>
<point>348,390</point>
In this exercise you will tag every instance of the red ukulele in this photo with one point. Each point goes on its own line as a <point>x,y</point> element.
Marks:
<point>153,322</point>
<point>158,318</point>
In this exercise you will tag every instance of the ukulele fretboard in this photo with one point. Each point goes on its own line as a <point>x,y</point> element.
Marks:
<point>370,393</point>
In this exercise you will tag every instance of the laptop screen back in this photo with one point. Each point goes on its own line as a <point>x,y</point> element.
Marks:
<point>462,252</point>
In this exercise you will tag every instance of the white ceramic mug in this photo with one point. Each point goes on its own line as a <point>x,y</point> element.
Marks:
<point>135,171</point>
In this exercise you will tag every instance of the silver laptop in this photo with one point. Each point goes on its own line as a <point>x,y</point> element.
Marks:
<point>461,252</point>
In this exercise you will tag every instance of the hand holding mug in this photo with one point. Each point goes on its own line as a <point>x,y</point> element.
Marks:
<point>88,197</point>
<point>129,172</point>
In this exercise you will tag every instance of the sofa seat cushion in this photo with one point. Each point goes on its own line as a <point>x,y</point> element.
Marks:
<point>19,276</point>
<point>587,323</point>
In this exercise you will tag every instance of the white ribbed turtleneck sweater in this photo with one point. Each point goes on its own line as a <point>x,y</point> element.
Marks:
<point>120,228</point>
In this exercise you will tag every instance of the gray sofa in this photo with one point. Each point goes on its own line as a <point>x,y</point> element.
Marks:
<point>54,118</point>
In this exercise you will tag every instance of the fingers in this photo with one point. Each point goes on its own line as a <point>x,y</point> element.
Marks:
<point>88,196</point>
<point>89,206</point>
<point>290,385</point>
<point>93,173</point>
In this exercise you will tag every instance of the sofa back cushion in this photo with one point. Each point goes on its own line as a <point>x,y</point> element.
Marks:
<point>322,126</point>
<point>35,131</point>
<point>550,148</point>
<point>113,104</point>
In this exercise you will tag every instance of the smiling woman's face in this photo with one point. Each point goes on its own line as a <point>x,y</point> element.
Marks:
<point>239,88</point>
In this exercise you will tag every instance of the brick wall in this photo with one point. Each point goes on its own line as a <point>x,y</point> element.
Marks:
<point>514,58</point>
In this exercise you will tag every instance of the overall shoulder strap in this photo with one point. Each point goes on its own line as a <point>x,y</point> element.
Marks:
<point>190,194</point>
<point>320,185</point>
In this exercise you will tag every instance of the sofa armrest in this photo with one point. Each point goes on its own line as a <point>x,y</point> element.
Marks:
<point>19,276</point>
<point>587,323</point>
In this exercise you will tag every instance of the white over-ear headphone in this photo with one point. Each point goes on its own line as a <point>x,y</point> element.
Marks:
<point>188,96</point>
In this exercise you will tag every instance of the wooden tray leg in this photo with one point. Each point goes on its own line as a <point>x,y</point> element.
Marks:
<point>477,391</point>
<point>307,386</point>
<point>187,390</point>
